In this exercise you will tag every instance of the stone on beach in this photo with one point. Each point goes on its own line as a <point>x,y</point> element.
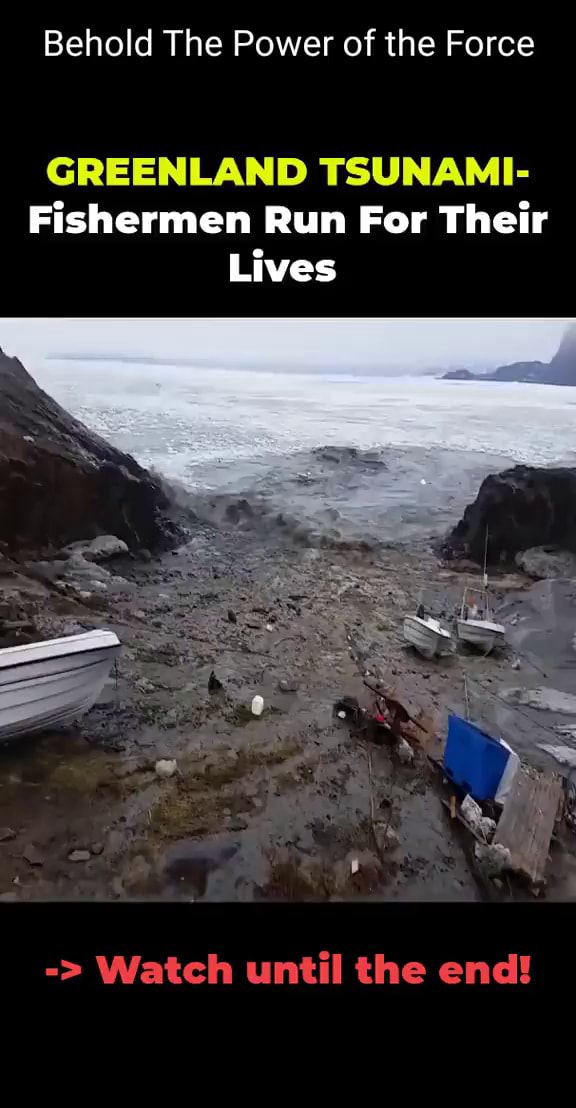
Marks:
<point>33,855</point>
<point>166,767</point>
<point>544,562</point>
<point>97,550</point>
<point>493,857</point>
<point>405,752</point>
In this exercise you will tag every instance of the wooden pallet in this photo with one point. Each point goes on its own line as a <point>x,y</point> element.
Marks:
<point>527,821</point>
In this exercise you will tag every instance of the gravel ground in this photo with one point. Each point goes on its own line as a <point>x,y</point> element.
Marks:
<point>290,805</point>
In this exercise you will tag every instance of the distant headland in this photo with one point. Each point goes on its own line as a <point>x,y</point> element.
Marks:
<point>560,371</point>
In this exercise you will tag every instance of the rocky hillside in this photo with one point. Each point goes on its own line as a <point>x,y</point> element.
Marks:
<point>60,482</point>
<point>562,368</point>
<point>560,371</point>
<point>523,507</point>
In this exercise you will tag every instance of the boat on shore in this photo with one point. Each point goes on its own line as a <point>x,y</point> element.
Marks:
<point>476,624</point>
<point>52,683</point>
<point>426,635</point>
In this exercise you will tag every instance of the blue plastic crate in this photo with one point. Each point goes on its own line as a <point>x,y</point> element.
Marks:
<point>473,759</point>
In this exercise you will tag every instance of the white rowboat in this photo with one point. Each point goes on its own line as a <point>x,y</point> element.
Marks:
<point>52,683</point>
<point>427,636</point>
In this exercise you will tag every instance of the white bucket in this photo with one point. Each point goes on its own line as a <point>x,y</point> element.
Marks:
<point>257,706</point>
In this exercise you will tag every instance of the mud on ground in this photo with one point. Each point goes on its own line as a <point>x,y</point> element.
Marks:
<point>276,807</point>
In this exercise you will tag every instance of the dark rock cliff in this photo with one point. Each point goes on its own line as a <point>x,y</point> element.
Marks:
<point>522,507</point>
<point>60,482</point>
<point>563,365</point>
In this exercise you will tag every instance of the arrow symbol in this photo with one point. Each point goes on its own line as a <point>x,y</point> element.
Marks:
<point>71,969</point>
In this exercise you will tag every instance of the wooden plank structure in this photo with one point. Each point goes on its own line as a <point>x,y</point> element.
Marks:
<point>527,821</point>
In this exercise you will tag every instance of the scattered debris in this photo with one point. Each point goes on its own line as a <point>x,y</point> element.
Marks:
<point>238,824</point>
<point>288,685</point>
<point>472,813</point>
<point>32,855</point>
<point>269,626</point>
<point>405,752</point>
<point>516,664</point>
<point>145,686</point>
<point>166,767</point>
<point>386,836</point>
<point>568,729</point>
<point>350,707</point>
<point>214,685</point>
<point>495,858</point>
<point>257,706</point>
<point>79,856</point>
<point>354,866</point>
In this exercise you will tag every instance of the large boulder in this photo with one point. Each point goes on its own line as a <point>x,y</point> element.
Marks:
<point>96,550</point>
<point>543,562</point>
<point>60,482</point>
<point>520,508</point>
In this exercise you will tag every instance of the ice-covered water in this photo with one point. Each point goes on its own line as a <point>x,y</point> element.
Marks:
<point>182,420</point>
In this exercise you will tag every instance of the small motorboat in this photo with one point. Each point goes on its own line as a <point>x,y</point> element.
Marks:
<point>426,635</point>
<point>476,625</point>
<point>52,683</point>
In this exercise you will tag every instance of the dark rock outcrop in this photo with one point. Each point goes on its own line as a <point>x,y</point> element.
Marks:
<point>60,482</point>
<point>523,507</point>
<point>560,371</point>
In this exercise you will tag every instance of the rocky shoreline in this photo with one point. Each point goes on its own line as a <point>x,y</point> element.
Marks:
<point>290,805</point>
<point>275,807</point>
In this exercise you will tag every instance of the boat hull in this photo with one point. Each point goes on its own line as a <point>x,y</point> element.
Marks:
<point>425,639</point>
<point>482,635</point>
<point>46,692</point>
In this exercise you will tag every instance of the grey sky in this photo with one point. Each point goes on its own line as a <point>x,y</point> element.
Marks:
<point>389,343</point>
